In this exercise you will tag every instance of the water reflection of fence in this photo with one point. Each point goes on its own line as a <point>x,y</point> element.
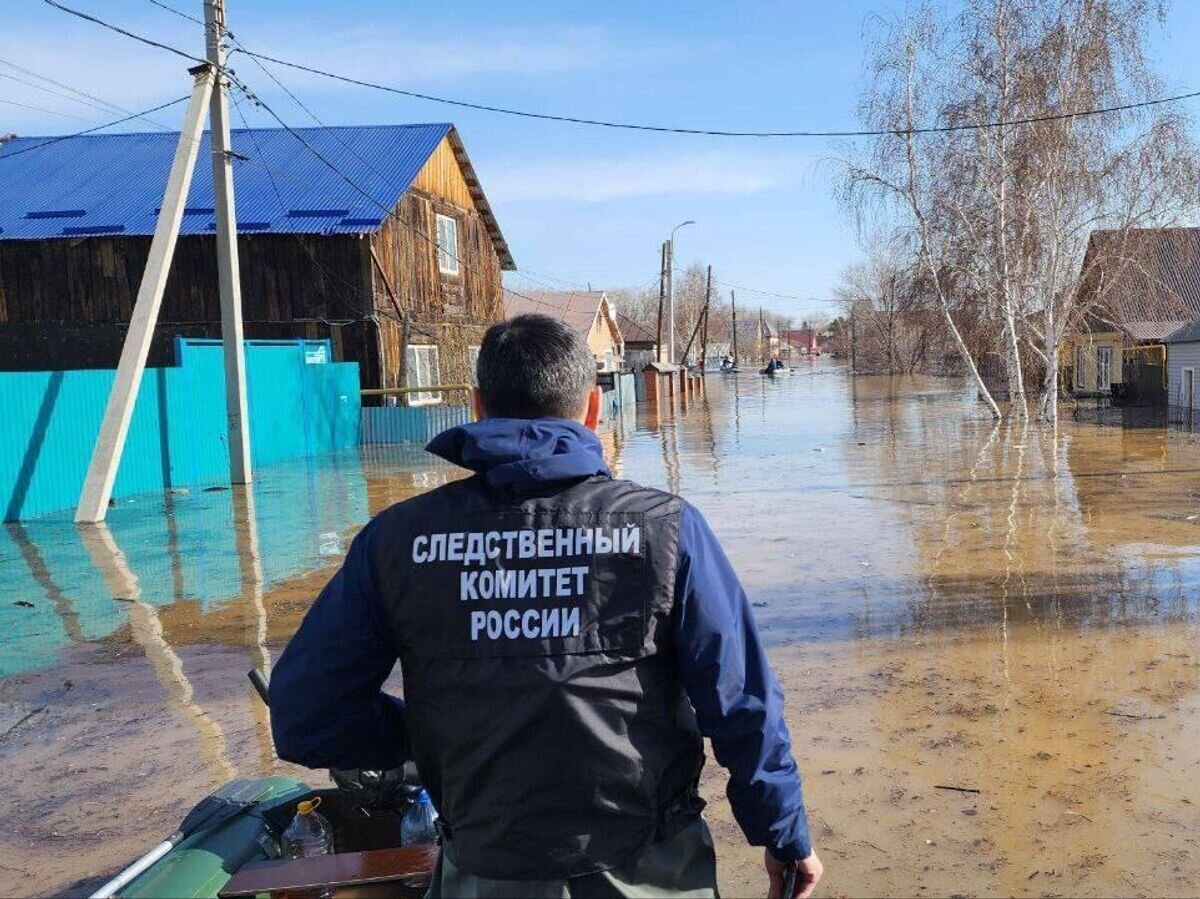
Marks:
<point>414,423</point>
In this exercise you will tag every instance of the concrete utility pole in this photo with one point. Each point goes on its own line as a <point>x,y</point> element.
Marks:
<point>662,293</point>
<point>208,94</point>
<point>704,334</point>
<point>106,455</point>
<point>232,335</point>
<point>733,312</point>
<point>671,291</point>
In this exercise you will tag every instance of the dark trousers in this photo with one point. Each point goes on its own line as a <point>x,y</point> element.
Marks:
<point>684,865</point>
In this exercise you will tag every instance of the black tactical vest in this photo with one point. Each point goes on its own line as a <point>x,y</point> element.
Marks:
<point>545,712</point>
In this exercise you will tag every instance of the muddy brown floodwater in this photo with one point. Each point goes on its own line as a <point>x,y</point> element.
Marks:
<point>1006,611</point>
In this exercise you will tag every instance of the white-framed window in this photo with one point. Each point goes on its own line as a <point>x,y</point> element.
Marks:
<point>447,244</point>
<point>1080,367</point>
<point>422,371</point>
<point>472,365</point>
<point>1103,367</point>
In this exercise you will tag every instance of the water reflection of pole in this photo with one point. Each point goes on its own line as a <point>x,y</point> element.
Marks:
<point>40,571</point>
<point>710,436</point>
<point>670,450</point>
<point>737,410</point>
<point>147,630</point>
<point>245,535</point>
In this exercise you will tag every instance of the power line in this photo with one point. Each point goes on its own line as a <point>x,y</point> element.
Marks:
<point>79,14</point>
<point>666,129</point>
<point>64,115</point>
<point>54,93</point>
<point>770,293</point>
<point>105,106</point>
<point>182,14</point>
<point>634,126</point>
<point>63,137</point>
<point>526,273</point>
<point>387,210</point>
<point>237,82</point>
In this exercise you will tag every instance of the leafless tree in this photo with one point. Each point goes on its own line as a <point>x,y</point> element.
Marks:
<point>999,216</point>
<point>896,325</point>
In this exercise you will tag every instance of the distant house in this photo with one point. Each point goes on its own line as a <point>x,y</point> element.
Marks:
<point>589,312</point>
<point>1140,287</point>
<point>806,341</point>
<point>396,260</point>
<point>641,345</point>
<point>757,341</point>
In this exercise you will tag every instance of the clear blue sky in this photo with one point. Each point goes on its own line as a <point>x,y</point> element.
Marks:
<point>588,205</point>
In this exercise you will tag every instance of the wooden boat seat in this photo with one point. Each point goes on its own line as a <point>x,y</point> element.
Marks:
<point>400,871</point>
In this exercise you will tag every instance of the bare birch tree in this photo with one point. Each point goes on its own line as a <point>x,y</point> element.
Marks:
<point>1003,213</point>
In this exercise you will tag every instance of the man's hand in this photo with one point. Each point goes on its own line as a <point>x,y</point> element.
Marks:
<point>808,872</point>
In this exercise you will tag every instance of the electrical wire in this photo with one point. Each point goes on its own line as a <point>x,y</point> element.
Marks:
<point>179,12</point>
<point>63,115</point>
<point>87,131</point>
<point>387,210</point>
<point>54,93</point>
<point>353,289</point>
<point>526,273</point>
<point>770,293</point>
<point>104,106</point>
<point>708,132</point>
<point>634,126</point>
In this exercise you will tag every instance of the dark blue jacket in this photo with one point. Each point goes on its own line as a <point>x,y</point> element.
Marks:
<point>328,709</point>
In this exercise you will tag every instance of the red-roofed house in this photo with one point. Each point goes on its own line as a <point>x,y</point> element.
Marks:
<point>806,341</point>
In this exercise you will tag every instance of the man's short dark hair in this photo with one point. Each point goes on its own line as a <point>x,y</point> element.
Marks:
<point>534,366</point>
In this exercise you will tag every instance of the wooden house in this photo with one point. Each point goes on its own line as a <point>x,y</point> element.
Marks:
<point>378,238</point>
<point>1138,288</point>
<point>589,312</point>
<point>757,341</point>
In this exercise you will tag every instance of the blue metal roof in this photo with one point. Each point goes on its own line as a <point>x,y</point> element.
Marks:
<point>110,184</point>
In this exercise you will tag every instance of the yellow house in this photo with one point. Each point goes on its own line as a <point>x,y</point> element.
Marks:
<point>1141,285</point>
<point>1091,360</point>
<point>590,312</point>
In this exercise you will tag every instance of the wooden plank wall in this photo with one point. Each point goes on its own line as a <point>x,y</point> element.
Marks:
<point>442,177</point>
<point>452,311</point>
<point>65,303</point>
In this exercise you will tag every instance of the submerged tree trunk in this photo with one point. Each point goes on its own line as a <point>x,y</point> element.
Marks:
<point>1018,405</point>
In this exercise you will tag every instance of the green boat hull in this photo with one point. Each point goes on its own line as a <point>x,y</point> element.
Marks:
<point>203,863</point>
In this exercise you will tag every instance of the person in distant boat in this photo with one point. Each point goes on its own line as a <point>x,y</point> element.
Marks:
<point>771,366</point>
<point>566,640</point>
<point>727,363</point>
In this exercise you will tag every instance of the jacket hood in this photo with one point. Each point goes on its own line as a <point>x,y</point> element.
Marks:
<point>522,455</point>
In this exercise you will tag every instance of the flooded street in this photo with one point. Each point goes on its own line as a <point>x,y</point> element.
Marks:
<point>950,603</point>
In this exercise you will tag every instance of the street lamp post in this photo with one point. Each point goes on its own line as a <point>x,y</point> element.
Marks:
<point>671,291</point>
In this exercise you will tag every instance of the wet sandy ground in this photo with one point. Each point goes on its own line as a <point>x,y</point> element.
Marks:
<point>947,604</point>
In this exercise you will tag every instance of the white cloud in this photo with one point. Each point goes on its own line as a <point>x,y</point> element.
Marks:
<point>598,180</point>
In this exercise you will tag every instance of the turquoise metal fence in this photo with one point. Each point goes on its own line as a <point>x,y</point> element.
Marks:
<point>409,424</point>
<point>177,438</point>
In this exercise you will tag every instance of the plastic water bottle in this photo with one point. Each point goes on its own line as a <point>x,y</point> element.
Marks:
<point>418,826</point>
<point>309,834</point>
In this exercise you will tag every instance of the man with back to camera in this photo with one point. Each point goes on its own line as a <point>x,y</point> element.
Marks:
<point>565,639</point>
